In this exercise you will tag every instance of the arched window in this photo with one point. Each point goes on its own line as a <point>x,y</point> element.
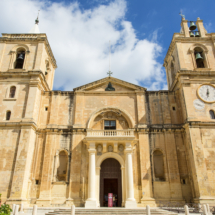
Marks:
<point>20,57</point>
<point>12,92</point>
<point>212,115</point>
<point>199,56</point>
<point>8,114</point>
<point>158,165</point>
<point>62,169</point>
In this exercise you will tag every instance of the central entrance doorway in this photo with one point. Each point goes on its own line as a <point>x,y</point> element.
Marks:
<point>110,182</point>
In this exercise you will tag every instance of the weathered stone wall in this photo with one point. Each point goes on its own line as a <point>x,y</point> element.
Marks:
<point>44,123</point>
<point>59,110</point>
<point>60,113</point>
<point>9,141</point>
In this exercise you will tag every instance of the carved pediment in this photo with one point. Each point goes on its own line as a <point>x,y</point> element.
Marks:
<point>110,84</point>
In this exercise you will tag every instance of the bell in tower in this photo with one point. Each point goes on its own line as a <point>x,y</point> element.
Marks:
<point>20,60</point>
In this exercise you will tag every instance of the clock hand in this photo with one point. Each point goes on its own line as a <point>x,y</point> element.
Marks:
<point>208,92</point>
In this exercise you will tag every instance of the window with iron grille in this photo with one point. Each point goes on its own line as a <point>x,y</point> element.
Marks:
<point>110,125</point>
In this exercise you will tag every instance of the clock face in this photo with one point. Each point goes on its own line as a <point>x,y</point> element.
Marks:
<point>206,93</point>
<point>198,104</point>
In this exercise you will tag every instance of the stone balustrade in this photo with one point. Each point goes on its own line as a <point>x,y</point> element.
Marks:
<point>110,133</point>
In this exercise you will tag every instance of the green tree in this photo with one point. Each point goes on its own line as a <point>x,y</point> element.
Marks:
<point>5,209</point>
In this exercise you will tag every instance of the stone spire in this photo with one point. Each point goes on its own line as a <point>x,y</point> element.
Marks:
<point>35,29</point>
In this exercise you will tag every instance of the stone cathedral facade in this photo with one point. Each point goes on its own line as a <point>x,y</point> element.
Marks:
<point>59,148</point>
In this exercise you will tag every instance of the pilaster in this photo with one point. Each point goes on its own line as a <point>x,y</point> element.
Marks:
<point>76,163</point>
<point>33,103</point>
<point>145,168</point>
<point>39,55</point>
<point>172,166</point>
<point>22,169</point>
<point>47,170</point>
<point>141,111</point>
<point>79,110</point>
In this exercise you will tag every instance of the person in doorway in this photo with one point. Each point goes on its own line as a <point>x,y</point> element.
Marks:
<point>114,201</point>
<point>106,200</point>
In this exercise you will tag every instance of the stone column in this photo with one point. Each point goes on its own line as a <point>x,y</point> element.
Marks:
<point>91,201</point>
<point>130,200</point>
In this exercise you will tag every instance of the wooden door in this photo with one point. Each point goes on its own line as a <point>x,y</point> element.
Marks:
<point>110,169</point>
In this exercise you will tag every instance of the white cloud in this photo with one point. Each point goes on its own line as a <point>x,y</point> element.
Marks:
<point>80,39</point>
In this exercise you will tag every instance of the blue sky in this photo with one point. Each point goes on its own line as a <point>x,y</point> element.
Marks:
<point>79,32</point>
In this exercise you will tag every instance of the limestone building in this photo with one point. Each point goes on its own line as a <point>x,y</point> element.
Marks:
<point>59,148</point>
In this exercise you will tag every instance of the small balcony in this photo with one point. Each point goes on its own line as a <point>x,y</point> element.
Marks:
<point>110,134</point>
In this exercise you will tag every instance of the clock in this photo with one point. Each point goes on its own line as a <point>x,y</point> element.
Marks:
<point>199,104</point>
<point>206,93</point>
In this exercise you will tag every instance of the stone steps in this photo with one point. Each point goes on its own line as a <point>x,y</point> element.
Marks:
<point>112,211</point>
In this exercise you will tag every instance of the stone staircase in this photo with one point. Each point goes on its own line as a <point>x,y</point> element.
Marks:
<point>112,211</point>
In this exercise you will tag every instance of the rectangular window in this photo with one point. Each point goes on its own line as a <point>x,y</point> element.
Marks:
<point>110,125</point>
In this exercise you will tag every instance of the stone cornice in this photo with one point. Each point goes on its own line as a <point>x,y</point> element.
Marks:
<point>112,80</point>
<point>33,75</point>
<point>60,131</point>
<point>32,38</point>
<point>160,92</point>
<point>58,92</point>
<point>199,124</point>
<point>107,92</point>
<point>201,72</point>
<point>172,128</point>
<point>19,125</point>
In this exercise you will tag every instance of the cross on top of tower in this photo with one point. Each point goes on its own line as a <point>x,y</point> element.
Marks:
<point>109,73</point>
<point>182,15</point>
<point>37,19</point>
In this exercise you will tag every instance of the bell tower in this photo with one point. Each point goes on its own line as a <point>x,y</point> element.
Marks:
<point>188,51</point>
<point>27,67</point>
<point>28,53</point>
<point>190,71</point>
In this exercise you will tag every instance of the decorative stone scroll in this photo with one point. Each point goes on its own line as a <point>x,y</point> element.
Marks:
<point>99,149</point>
<point>121,149</point>
<point>110,148</point>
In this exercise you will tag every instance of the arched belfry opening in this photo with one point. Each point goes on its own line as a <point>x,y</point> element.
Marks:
<point>110,182</point>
